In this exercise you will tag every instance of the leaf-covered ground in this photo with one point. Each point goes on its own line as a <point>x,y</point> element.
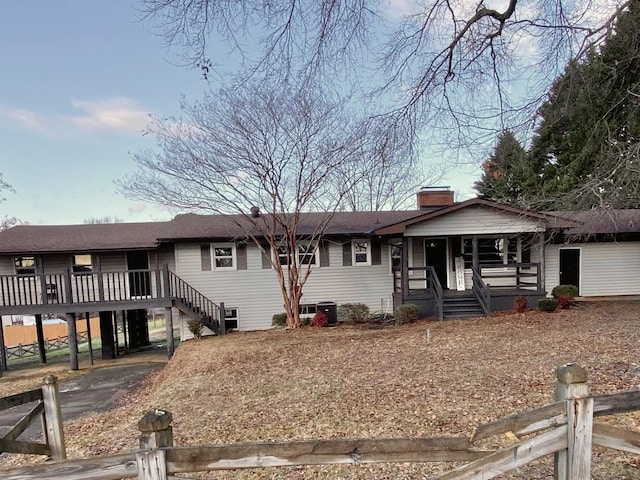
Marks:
<point>380,382</point>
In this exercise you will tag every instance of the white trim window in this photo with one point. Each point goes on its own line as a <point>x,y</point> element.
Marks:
<point>224,256</point>
<point>361,252</point>
<point>308,253</point>
<point>231,318</point>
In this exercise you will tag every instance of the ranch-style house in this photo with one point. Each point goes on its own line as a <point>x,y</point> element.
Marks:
<point>450,259</point>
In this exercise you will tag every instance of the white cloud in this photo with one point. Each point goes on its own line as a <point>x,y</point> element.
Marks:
<point>118,113</point>
<point>115,114</point>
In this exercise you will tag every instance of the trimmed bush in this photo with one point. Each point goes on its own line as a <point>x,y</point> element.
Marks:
<point>560,290</point>
<point>547,304</point>
<point>353,313</point>
<point>320,320</point>
<point>406,313</point>
<point>279,320</point>
<point>195,327</point>
<point>521,304</point>
<point>306,321</point>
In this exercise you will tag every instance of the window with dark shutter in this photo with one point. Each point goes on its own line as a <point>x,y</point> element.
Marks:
<point>346,254</point>
<point>205,257</point>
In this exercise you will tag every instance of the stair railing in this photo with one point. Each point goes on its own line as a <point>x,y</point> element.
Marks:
<point>199,305</point>
<point>481,290</point>
<point>436,288</point>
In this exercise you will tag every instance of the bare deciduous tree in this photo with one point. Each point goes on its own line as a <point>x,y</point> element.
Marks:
<point>470,69</point>
<point>266,155</point>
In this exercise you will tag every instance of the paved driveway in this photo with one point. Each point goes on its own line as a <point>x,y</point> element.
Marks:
<point>97,390</point>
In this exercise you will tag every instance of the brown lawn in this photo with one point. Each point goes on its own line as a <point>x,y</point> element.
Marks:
<point>380,382</point>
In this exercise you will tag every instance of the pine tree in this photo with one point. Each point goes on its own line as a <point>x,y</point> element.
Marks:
<point>590,125</point>
<point>505,174</point>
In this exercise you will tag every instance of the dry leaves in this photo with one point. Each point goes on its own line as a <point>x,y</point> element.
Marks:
<point>363,382</point>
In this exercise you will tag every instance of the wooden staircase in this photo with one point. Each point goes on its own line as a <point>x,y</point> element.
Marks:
<point>194,304</point>
<point>461,305</point>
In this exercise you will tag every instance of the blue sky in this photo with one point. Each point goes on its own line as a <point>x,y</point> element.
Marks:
<point>78,80</point>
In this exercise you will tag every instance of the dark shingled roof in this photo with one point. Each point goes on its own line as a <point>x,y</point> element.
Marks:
<point>603,221</point>
<point>128,236</point>
<point>192,227</point>
<point>78,238</point>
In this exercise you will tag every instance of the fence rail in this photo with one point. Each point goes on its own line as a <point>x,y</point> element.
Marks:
<point>564,428</point>
<point>28,349</point>
<point>47,408</point>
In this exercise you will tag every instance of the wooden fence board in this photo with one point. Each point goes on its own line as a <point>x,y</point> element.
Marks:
<point>104,467</point>
<point>617,438</point>
<point>509,458</point>
<point>20,398</point>
<point>13,446</point>
<point>321,452</point>
<point>524,423</point>
<point>614,403</point>
<point>24,422</point>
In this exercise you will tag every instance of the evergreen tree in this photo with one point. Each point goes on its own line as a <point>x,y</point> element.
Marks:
<point>590,126</point>
<point>506,177</point>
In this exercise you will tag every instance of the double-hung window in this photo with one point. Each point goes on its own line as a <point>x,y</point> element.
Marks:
<point>224,256</point>
<point>82,263</point>
<point>307,254</point>
<point>25,265</point>
<point>361,252</point>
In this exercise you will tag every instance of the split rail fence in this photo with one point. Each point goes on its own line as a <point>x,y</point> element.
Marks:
<point>46,407</point>
<point>565,428</point>
<point>28,349</point>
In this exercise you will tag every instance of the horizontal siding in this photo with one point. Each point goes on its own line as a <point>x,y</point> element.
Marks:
<point>475,221</point>
<point>56,263</point>
<point>605,268</point>
<point>256,294</point>
<point>112,262</point>
<point>6,265</point>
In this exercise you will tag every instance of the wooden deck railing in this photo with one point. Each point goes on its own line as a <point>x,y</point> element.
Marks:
<point>524,276</point>
<point>81,288</point>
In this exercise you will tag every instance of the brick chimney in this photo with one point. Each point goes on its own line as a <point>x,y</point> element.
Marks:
<point>435,197</point>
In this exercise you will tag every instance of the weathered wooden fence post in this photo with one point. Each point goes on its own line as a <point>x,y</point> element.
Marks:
<point>156,432</point>
<point>53,418</point>
<point>575,462</point>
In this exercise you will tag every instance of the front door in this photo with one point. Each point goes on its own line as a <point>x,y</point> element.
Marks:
<point>435,254</point>
<point>139,281</point>
<point>570,267</point>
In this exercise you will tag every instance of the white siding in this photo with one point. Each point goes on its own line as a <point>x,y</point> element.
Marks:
<point>605,268</point>
<point>111,262</point>
<point>256,294</point>
<point>475,221</point>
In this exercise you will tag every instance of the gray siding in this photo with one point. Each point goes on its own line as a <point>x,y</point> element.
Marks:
<point>475,221</point>
<point>605,268</point>
<point>256,294</point>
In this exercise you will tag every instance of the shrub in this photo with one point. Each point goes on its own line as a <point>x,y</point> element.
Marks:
<point>320,320</point>
<point>353,313</point>
<point>521,304</point>
<point>570,290</point>
<point>564,301</point>
<point>547,304</point>
<point>306,321</point>
<point>195,327</point>
<point>279,320</point>
<point>406,313</point>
